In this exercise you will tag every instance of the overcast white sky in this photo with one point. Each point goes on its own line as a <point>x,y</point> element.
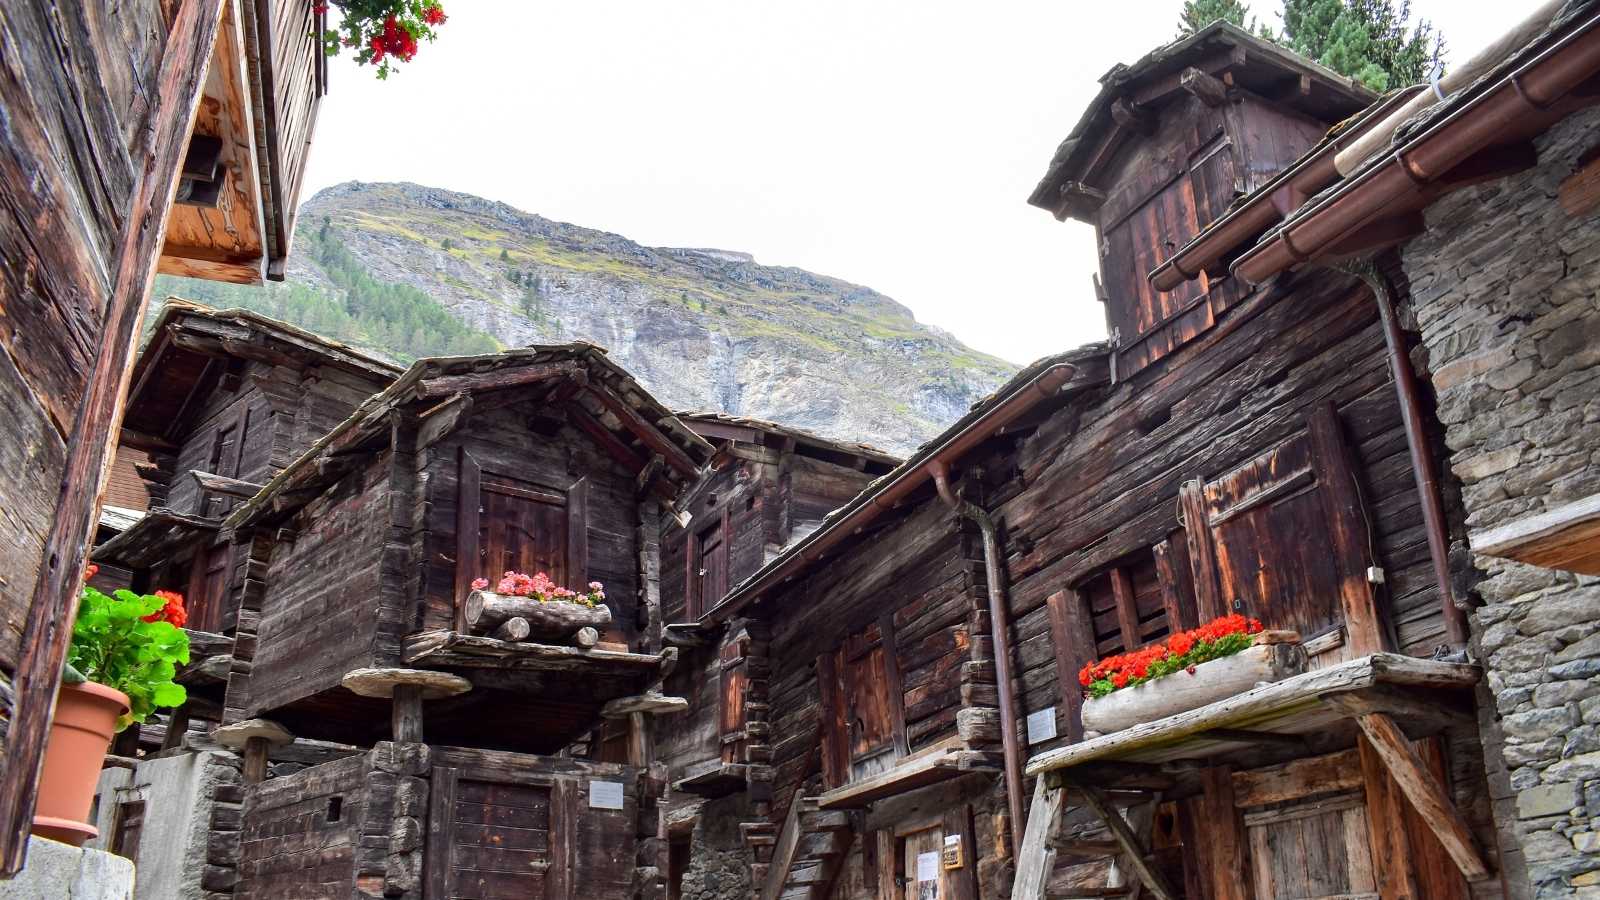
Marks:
<point>889,142</point>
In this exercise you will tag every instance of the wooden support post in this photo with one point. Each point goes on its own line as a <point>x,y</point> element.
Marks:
<point>1127,608</point>
<point>177,726</point>
<point>1425,792</point>
<point>54,604</point>
<point>639,740</point>
<point>1036,856</point>
<point>1132,853</point>
<point>255,759</point>
<point>406,714</point>
<point>1225,830</point>
<point>1074,646</point>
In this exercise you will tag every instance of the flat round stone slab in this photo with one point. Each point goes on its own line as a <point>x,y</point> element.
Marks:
<point>382,682</point>
<point>239,733</point>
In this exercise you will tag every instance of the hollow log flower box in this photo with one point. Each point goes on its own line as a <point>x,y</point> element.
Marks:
<point>523,606</point>
<point>1221,658</point>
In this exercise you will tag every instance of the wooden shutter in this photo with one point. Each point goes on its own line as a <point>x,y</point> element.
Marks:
<point>206,597</point>
<point>730,711</point>
<point>833,725</point>
<point>577,556</point>
<point>869,675</point>
<point>523,528</point>
<point>468,563</point>
<point>129,827</point>
<point>1142,226</point>
<point>1285,539</point>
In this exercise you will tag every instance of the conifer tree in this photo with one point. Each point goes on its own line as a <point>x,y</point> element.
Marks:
<point>1197,14</point>
<point>1371,41</point>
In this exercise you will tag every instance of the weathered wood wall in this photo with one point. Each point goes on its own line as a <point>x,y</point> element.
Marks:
<point>302,834</point>
<point>502,444</point>
<point>320,616</point>
<point>78,89</point>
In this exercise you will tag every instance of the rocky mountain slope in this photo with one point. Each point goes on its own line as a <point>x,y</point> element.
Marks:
<point>703,329</point>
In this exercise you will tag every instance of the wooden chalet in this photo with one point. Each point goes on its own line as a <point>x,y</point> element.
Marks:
<point>156,135</point>
<point>768,485</point>
<point>1236,447</point>
<point>367,628</point>
<point>221,401</point>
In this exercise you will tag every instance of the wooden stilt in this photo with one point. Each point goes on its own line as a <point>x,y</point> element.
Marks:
<point>639,750</point>
<point>1037,854</point>
<point>406,714</point>
<point>255,759</point>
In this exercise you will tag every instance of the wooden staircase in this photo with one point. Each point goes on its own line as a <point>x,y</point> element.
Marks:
<point>809,852</point>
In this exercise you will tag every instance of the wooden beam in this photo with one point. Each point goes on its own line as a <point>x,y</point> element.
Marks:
<point>646,431</point>
<point>222,484</point>
<point>1127,608</point>
<point>1133,117</point>
<point>1427,710</point>
<point>1211,91</point>
<point>1425,792</point>
<point>1133,854</point>
<point>1202,552</point>
<point>149,443</point>
<point>1246,736</point>
<point>1386,825</point>
<point>1074,648</point>
<point>498,379</point>
<point>607,439</point>
<point>406,714</point>
<point>54,604</point>
<point>1036,857</point>
<point>1567,537</point>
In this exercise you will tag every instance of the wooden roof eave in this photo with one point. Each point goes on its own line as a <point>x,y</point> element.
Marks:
<point>157,536</point>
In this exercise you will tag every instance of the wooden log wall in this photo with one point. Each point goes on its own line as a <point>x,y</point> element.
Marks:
<point>321,613</point>
<point>79,94</point>
<point>502,443</point>
<point>303,834</point>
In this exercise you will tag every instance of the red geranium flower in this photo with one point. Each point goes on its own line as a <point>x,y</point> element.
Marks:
<point>433,15</point>
<point>172,612</point>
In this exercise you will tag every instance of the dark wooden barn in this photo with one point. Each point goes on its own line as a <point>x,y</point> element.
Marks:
<point>150,135</point>
<point>1233,449</point>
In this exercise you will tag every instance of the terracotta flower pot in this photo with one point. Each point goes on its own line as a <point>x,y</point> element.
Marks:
<point>86,718</point>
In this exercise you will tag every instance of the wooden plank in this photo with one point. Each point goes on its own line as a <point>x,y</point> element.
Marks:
<point>497,379</point>
<point>1127,608</point>
<point>1036,858</point>
<point>577,537</point>
<point>468,499</point>
<point>441,832</point>
<point>1074,648</point>
<point>1425,792</point>
<point>1177,590</point>
<point>834,735</point>
<point>1224,836</point>
<point>783,853</point>
<point>962,882</point>
<point>1566,537</point>
<point>1287,698</point>
<point>925,769</point>
<point>891,677</point>
<point>1391,854</point>
<point>90,447</point>
<point>646,432</point>
<point>1326,774</point>
<point>1202,552</point>
<point>1349,533</point>
<point>1133,853</point>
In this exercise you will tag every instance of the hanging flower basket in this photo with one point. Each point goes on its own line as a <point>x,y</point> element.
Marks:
<point>1218,660</point>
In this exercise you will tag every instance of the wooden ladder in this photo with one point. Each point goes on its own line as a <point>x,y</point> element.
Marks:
<point>1133,873</point>
<point>810,852</point>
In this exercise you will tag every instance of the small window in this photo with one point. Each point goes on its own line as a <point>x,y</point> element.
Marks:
<point>129,824</point>
<point>335,809</point>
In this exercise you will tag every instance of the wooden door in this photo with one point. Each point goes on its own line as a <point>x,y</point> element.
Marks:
<point>864,664</point>
<point>523,528</point>
<point>206,596</point>
<point>1312,849</point>
<point>1286,539</point>
<point>713,566</point>
<point>490,841</point>
<point>924,870</point>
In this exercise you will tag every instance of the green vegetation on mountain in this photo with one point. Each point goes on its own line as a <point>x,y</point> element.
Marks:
<point>409,271</point>
<point>396,320</point>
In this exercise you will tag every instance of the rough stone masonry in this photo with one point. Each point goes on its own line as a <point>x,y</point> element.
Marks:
<point>1506,291</point>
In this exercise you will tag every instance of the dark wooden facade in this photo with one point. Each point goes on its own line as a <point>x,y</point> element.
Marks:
<point>547,459</point>
<point>1233,449</point>
<point>110,117</point>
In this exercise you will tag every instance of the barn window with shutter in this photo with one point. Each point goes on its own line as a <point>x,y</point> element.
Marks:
<point>707,566</point>
<point>1285,538</point>
<point>863,705</point>
<point>509,524</point>
<point>1141,226</point>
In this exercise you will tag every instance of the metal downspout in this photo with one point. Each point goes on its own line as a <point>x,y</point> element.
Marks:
<point>1422,463</point>
<point>1000,630</point>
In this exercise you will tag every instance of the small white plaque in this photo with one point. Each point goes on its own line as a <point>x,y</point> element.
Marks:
<point>1042,725</point>
<point>605,795</point>
<point>928,866</point>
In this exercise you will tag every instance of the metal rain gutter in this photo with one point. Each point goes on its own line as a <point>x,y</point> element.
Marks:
<point>1522,97</point>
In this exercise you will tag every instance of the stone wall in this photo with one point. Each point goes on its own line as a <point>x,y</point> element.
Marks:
<point>1505,288</point>
<point>176,840</point>
<point>719,862</point>
<point>62,871</point>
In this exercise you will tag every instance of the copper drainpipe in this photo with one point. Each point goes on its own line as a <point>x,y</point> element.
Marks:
<point>1000,629</point>
<point>1423,468</point>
